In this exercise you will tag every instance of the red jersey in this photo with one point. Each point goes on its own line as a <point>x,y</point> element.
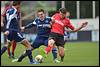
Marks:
<point>59,24</point>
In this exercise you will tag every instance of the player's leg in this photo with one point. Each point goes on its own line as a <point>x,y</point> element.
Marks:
<point>5,42</point>
<point>8,49</point>
<point>51,43</point>
<point>27,44</point>
<point>54,49</point>
<point>60,44</point>
<point>5,39</point>
<point>24,54</point>
<point>28,49</point>
<point>13,47</point>
<point>61,52</point>
<point>4,48</point>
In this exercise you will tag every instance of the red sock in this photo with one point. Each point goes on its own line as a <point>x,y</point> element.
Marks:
<point>13,47</point>
<point>48,49</point>
<point>8,51</point>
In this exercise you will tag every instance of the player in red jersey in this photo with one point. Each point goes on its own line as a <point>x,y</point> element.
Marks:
<point>3,24</point>
<point>57,32</point>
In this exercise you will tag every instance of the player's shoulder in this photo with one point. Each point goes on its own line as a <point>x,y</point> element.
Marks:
<point>67,19</point>
<point>8,7</point>
<point>11,10</point>
<point>47,17</point>
<point>56,14</point>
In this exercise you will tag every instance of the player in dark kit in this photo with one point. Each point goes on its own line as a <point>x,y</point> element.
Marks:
<point>3,24</point>
<point>12,28</point>
<point>43,24</point>
<point>57,32</point>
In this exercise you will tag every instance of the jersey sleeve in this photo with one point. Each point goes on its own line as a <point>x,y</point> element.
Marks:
<point>31,24</point>
<point>53,17</point>
<point>69,25</point>
<point>34,22</point>
<point>3,13</point>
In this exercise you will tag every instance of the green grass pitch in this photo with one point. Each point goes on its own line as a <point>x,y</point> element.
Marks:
<point>76,54</point>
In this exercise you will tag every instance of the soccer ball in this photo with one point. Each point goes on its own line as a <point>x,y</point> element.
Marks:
<point>39,58</point>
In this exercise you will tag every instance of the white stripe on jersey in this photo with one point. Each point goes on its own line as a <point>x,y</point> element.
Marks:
<point>10,17</point>
<point>20,35</point>
<point>34,22</point>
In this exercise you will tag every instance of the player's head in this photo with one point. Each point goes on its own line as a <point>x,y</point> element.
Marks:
<point>63,12</point>
<point>68,14</point>
<point>41,14</point>
<point>16,4</point>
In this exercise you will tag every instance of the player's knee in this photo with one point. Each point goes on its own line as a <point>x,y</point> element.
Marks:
<point>6,45</point>
<point>51,42</point>
<point>26,44</point>
<point>9,44</point>
<point>61,51</point>
<point>25,41</point>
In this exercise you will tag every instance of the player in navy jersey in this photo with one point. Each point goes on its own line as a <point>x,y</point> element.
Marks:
<point>43,24</point>
<point>3,24</point>
<point>13,30</point>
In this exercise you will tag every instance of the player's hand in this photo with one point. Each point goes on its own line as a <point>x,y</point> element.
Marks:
<point>84,24</point>
<point>6,32</point>
<point>2,24</point>
<point>22,29</point>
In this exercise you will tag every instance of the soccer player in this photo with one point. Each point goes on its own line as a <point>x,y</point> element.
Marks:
<point>43,24</point>
<point>57,32</point>
<point>3,24</point>
<point>13,31</point>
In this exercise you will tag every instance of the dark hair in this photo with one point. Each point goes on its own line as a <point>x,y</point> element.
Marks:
<point>41,10</point>
<point>16,3</point>
<point>63,10</point>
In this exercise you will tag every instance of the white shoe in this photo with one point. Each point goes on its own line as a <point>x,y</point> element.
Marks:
<point>15,60</point>
<point>56,61</point>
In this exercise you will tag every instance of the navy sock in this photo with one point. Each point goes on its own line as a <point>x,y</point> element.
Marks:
<point>3,50</point>
<point>54,52</point>
<point>22,56</point>
<point>29,53</point>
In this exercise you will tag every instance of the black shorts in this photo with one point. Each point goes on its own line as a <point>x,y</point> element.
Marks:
<point>59,39</point>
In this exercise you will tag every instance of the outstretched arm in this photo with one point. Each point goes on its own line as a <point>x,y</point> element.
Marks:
<point>28,26</point>
<point>84,24</point>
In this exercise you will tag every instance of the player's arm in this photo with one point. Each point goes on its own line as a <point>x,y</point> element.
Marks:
<point>2,24</point>
<point>20,21</point>
<point>53,19</point>
<point>84,24</point>
<point>2,17</point>
<point>28,26</point>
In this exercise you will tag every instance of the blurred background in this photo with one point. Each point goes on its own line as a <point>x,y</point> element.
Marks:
<point>79,10</point>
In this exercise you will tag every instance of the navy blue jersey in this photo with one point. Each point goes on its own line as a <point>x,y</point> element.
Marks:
<point>12,17</point>
<point>43,27</point>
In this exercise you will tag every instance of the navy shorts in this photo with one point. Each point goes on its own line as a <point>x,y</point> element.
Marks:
<point>40,41</point>
<point>17,36</point>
